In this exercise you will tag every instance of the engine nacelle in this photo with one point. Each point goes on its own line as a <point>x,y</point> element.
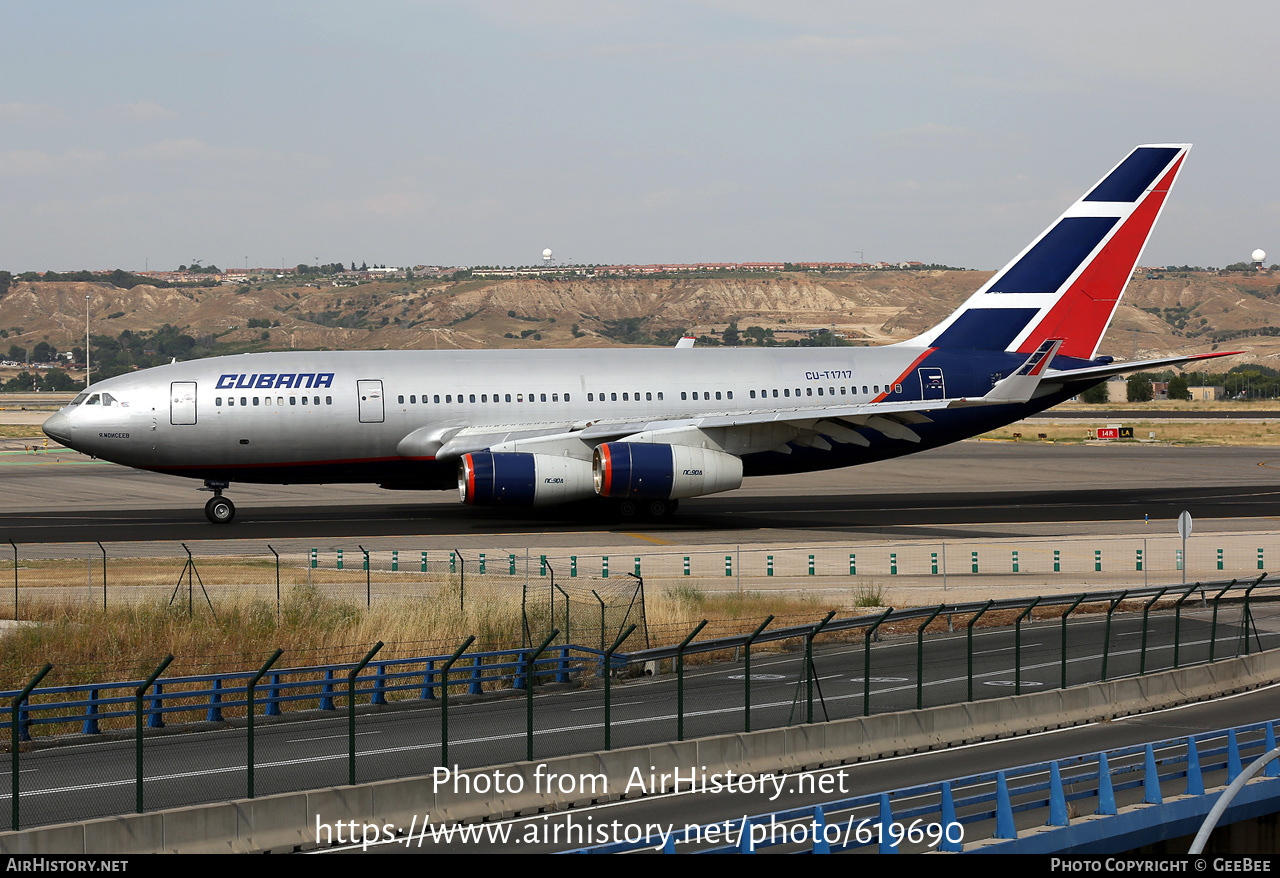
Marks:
<point>518,479</point>
<point>640,469</point>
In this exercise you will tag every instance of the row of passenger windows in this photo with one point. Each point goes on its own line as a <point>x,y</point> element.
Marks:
<point>279,400</point>
<point>626,396</point>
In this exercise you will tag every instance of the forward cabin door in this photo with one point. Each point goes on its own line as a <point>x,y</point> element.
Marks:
<point>371,408</point>
<point>182,403</point>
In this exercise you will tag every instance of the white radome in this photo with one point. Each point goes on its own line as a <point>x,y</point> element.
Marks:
<point>1259,255</point>
<point>546,254</point>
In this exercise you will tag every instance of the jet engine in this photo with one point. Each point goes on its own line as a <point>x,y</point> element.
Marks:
<point>520,479</point>
<point>639,469</point>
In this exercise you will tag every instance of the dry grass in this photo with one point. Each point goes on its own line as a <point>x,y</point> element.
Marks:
<point>1167,432</point>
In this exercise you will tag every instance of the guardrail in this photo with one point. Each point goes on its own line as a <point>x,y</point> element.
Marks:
<point>957,815</point>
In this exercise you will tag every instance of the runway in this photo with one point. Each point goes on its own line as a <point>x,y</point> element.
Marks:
<point>971,489</point>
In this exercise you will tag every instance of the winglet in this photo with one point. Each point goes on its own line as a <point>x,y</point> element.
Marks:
<point>686,342</point>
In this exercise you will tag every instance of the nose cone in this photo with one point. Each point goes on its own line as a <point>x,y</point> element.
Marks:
<point>58,428</point>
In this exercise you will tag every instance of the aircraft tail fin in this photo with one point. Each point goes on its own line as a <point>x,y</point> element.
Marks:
<point>1067,283</point>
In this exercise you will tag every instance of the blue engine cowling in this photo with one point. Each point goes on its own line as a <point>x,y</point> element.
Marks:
<point>640,469</point>
<point>517,479</point>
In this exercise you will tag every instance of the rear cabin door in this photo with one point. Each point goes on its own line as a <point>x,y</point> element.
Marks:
<point>932,385</point>
<point>182,403</point>
<point>371,408</point>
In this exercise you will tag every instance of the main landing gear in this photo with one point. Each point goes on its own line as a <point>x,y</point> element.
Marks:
<point>652,509</point>
<point>219,509</point>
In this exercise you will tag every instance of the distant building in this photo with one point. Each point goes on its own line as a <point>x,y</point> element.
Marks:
<point>1210,394</point>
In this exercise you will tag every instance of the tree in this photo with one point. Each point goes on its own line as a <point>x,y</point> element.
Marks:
<point>1098,393</point>
<point>1138,388</point>
<point>1178,388</point>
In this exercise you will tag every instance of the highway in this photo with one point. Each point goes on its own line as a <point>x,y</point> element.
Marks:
<point>205,763</point>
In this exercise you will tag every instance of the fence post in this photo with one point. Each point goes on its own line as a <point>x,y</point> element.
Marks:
<point>969,638</point>
<point>975,562</point>
<point>768,567</point>
<point>214,714</point>
<point>351,711</point>
<point>808,661</point>
<point>1064,639</point>
<point>395,560</point>
<point>1015,560</point>
<point>424,562</point>
<point>1106,637</point>
<point>604,567</point>
<point>893,563</point>
<point>444,699</point>
<point>933,563</point>
<point>482,562</point>
<point>1219,559</point>
<point>608,675</point>
<point>747,669</point>
<point>573,566</point>
<point>137,716</point>
<point>853,563</point>
<point>1138,568</point>
<point>1097,560</point>
<point>529,677</point>
<point>1146,610</point>
<point>314,560</point>
<point>15,724</point>
<point>249,713</point>
<point>1017,645</point>
<point>866,662</point>
<point>920,657</point>
<point>728,565</point>
<point>811,565</point>
<point>1057,561</point>
<point>680,679</point>
<point>339,559</point>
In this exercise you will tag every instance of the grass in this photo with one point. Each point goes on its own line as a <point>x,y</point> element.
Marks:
<point>1243,433</point>
<point>86,643</point>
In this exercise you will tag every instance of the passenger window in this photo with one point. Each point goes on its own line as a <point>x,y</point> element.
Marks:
<point>255,400</point>
<point>473,397</point>
<point>684,394</point>
<point>819,391</point>
<point>648,396</point>
<point>775,393</point>
<point>808,391</point>
<point>659,395</point>
<point>555,397</point>
<point>717,394</point>
<point>400,399</point>
<point>730,394</point>
<point>328,400</point>
<point>508,397</point>
<point>217,401</point>
<point>753,394</point>
<point>625,398</point>
<point>591,397</point>
<point>484,397</point>
<point>897,388</point>
<point>566,397</point>
<point>613,397</point>
<point>542,397</point>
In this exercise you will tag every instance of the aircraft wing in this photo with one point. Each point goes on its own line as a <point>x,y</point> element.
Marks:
<point>1094,373</point>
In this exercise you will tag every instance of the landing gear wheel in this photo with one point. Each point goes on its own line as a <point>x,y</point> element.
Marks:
<point>626,509</point>
<point>220,510</point>
<point>658,508</point>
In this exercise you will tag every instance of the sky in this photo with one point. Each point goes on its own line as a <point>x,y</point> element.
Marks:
<point>152,134</point>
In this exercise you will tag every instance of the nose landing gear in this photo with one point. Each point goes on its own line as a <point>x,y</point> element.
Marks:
<point>219,509</point>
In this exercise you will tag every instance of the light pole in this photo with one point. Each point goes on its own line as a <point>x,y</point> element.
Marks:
<point>86,340</point>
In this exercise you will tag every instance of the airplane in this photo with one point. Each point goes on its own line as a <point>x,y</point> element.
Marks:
<point>642,429</point>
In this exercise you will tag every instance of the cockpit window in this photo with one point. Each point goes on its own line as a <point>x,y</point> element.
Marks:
<point>96,399</point>
<point>79,398</point>
<point>108,399</point>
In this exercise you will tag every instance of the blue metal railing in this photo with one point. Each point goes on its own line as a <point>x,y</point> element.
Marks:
<point>208,695</point>
<point>942,820</point>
